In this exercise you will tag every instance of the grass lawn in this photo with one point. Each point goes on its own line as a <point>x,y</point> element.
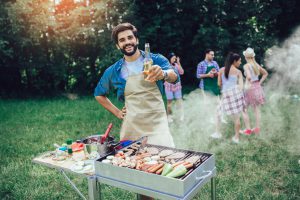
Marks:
<point>262,167</point>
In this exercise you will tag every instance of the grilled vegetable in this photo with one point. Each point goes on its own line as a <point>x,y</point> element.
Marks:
<point>177,171</point>
<point>167,168</point>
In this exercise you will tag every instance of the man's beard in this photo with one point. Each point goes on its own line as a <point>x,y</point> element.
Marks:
<point>129,53</point>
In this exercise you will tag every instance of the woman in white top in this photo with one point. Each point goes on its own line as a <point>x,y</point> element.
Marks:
<point>254,94</point>
<point>232,102</point>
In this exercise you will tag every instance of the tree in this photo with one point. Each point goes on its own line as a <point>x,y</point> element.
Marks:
<point>188,28</point>
<point>63,45</point>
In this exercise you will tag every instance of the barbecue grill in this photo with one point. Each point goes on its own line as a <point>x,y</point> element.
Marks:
<point>158,186</point>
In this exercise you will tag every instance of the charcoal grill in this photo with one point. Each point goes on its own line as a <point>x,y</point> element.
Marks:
<point>157,186</point>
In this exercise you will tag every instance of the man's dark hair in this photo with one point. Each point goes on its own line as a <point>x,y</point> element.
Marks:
<point>123,27</point>
<point>208,50</point>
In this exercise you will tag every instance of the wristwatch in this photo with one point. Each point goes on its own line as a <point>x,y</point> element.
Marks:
<point>165,75</point>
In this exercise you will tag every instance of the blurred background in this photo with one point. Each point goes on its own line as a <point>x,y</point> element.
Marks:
<point>50,47</point>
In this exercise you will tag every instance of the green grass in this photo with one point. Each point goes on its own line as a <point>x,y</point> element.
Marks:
<point>259,168</point>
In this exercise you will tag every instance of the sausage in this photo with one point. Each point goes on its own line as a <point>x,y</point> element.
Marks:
<point>154,169</point>
<point>138,165</point>
<point>160,170</point>
<point>143,155</point>
<point>188,165</point>
<point>178,163</point>
<point>145,167</point>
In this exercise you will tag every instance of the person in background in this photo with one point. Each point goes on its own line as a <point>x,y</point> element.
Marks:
<point>232,102</point>
<point>207,72</point>
<point>254,94</point>
<point>173,91</point>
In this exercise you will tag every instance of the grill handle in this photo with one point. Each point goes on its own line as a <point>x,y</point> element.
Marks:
<point>209,173</point>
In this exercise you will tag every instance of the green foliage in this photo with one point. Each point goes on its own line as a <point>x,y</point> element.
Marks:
<point>190,28</point>
<point>47,48</point>
<point>56,46</point>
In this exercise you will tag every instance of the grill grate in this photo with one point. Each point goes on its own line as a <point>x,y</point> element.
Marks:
<point>188,154</point>
<point>202,159</point>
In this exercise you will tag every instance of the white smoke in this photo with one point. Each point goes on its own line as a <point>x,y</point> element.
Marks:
<point>199,122</point>
<point>284,61</point>
<point>280,115</point>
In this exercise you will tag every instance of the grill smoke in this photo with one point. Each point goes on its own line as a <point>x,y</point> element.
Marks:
<point>280,114</point>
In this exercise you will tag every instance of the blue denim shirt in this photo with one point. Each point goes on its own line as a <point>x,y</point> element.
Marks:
<point>112,79</point>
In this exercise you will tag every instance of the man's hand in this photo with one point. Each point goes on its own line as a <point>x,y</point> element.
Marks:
<point>155,74</point>
<point>210,75</point>
<point>122,113</point>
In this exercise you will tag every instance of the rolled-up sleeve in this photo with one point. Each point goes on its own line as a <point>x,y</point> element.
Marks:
<point>165,65</point>
<point>103,85</point>
<point>217,66</point>
<point>200,70</point>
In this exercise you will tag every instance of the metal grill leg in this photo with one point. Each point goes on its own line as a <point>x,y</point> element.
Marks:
<point>72,184</point>
<point>213,188</point>
<point>94,192</point>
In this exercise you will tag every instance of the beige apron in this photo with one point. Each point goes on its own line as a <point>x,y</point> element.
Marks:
<point>146,114</point>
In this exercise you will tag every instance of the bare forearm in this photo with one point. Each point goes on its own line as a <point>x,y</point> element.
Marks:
<point>203,76</point>
<point>263,78</point>
<point>220,80</point>
<point>180,69</point>
<point>172,76</point>
<point>108,105</point>
<point>264,75</point>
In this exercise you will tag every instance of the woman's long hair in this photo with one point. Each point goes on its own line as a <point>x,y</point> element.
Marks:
<point>254,65</point>
<point>229,61</point>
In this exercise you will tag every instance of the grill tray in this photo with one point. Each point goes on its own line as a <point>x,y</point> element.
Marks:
<point>179,187</point>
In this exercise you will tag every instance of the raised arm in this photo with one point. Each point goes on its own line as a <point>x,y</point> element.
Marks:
<point>160,67</point>
<point>180,69</point>
<point>264,74</point>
